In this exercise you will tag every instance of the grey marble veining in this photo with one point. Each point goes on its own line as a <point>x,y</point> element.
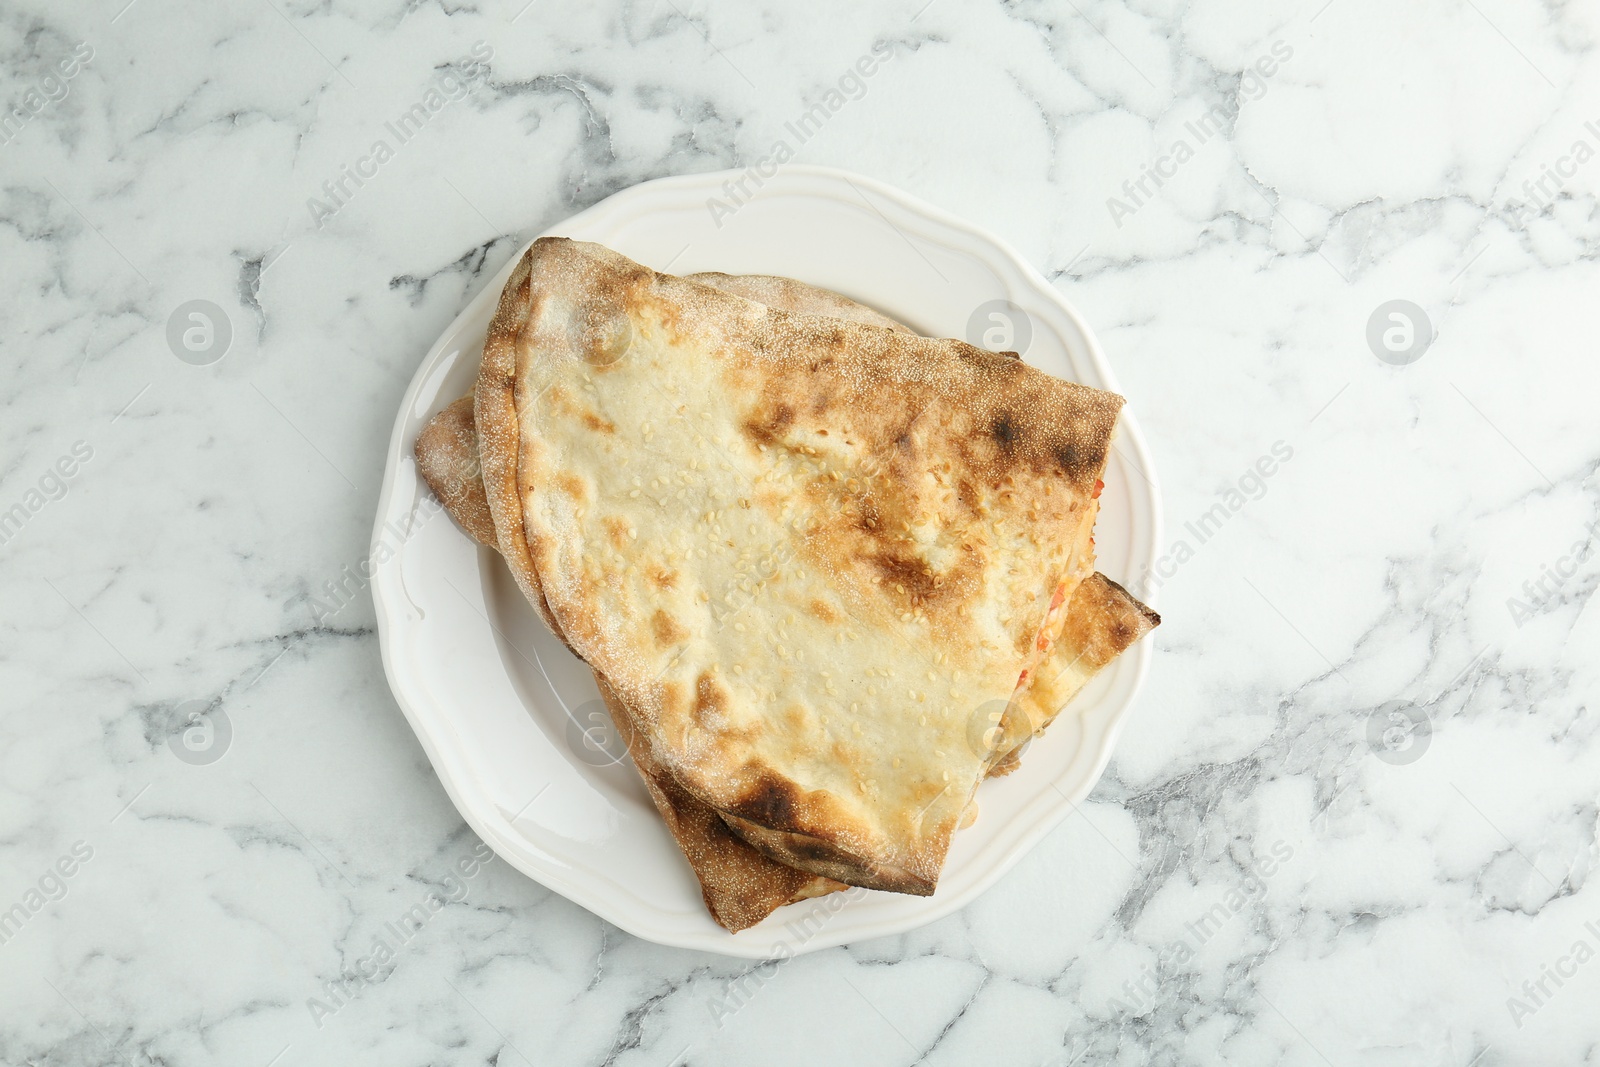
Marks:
<point>1353,816</point>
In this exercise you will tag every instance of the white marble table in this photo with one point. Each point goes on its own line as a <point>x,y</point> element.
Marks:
<point>1271,872</point>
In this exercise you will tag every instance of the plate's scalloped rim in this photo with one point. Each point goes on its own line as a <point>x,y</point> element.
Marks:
<point>635,914</point>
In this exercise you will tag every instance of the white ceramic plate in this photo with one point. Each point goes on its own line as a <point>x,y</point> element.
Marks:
<point>502,708</point>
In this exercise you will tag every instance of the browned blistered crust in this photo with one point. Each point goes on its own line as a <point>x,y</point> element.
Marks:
<point>742,874</point>
<point>1001,436</point>
<point>928,428</point>
<point>739,885</point>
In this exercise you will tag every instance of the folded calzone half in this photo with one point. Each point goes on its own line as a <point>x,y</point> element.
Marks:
<point>805,552</point>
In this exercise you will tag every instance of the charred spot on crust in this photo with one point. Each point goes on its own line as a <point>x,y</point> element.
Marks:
<point>598,425</point>
<point>772,803</point>
<point>822,856</point>
<point>911,573</point>
<point>1076,462</point>
<point>1005,432</point>
<point>766,427</point>
<point>818,851</point>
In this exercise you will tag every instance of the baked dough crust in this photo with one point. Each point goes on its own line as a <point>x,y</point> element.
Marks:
<point>901,509</point>
<point>740,885</point>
